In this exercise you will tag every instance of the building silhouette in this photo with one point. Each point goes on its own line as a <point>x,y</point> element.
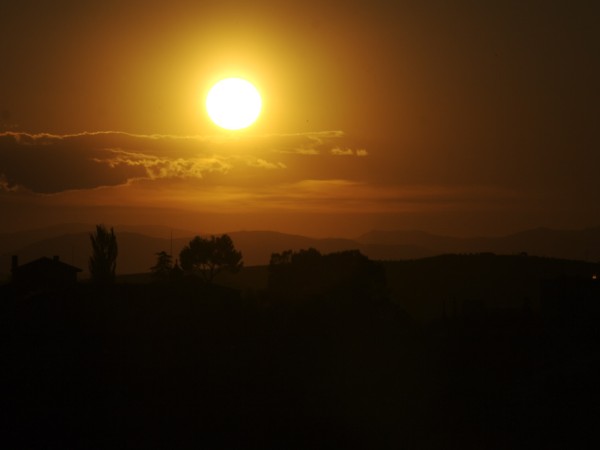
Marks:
<point>43,274</point>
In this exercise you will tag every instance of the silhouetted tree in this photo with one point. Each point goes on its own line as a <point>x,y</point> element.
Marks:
<point>163,268</point>
<point>208,257</point>
<point>342,275</point>
<point>103,261</point>
<point>290,268</point>
<point>177,271</point>
<point>278,259</point>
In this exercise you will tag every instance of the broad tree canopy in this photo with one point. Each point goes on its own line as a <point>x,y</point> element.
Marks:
<point>210,256</point>
<point>342,275</point>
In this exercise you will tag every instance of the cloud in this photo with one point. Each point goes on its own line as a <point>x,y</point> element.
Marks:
<point>157,167</point>
<point>5,186</point>
<point>266,164</point>
<point>328,196</point>
<point>48,163</point>
<point>342,152</point>
<point>261,176</point>
<point>306,143</point>
<point>337,151</point>
<point>314,173</point>
<point>344,195</point>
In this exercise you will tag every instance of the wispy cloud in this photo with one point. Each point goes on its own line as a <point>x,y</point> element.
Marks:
<point>50,163</point>
<point>157,167</point>
<point>311,195</point>
<point>360,197</point>
<point>337,151</point>
<point>261,163</point>
<point>275,174</point>
<point>5,186</point>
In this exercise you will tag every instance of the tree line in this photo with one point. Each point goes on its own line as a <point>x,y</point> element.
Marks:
<point>296,275</point>
<point>202,257</point>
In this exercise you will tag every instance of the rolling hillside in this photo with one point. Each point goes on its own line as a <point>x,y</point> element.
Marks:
<point>138,245</point>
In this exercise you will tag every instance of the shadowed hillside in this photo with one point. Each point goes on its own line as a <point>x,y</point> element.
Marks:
<point>568,244</point>
<point>319,359</point>
<point>427,287</point>
<point>138,245</point>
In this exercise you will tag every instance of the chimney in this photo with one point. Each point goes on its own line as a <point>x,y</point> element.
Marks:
<point>14,263</point>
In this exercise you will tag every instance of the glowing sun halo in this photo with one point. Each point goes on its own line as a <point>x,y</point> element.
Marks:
<point>233,103</point>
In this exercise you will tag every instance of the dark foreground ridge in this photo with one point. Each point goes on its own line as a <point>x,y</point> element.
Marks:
<point>183,364</point>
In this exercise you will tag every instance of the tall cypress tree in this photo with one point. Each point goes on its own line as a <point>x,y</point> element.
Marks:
<point>103,261</point>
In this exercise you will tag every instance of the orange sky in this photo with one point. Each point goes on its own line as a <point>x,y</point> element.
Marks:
<point>458,119</point>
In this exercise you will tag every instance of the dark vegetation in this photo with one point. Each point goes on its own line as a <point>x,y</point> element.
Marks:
<point>325,351</point>
<point>138,245</point>
<point>103,262</point>
<point>208,257</point>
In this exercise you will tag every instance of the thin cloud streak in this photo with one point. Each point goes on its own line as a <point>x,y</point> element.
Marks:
<point>308,196</point>
<point>337,151</point>
<point>49,163</point>
<point>292,172</point>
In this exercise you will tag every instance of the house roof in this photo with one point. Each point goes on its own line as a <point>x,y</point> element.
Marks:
<point>46,263</point>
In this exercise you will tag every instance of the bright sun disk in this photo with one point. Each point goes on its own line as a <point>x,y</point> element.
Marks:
<point>233,103</point>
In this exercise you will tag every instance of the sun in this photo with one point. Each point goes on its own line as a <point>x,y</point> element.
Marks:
<point>233,103</point>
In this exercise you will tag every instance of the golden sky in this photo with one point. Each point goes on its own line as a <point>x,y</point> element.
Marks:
<point>461,118</point>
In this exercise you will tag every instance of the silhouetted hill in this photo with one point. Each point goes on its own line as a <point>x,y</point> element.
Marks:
<point>138,245</point>
<point>428,241</point>
<point>569,244</point>
<point>158,231</point>
<point>257,246</point>
<point>186,365</point>
<point>62,240</point>
<point>424,287</point>
<point>11,242</point>
<point>136,251</point>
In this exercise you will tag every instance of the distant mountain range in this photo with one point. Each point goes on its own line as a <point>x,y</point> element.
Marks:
<point>139,244</point>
